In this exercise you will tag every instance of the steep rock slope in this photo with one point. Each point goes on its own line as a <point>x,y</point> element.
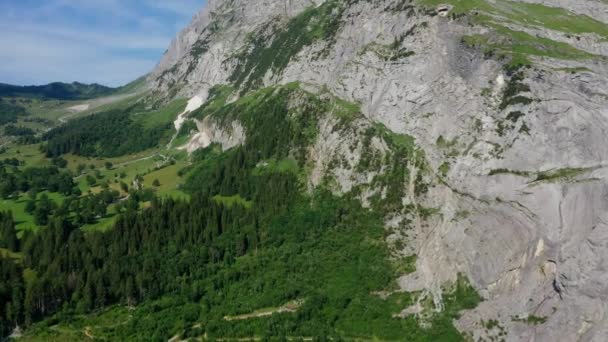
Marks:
<point>506,101</point>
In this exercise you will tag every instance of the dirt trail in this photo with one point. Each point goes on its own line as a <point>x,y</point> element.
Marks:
<point>129,162</point>
<point>290,307</point>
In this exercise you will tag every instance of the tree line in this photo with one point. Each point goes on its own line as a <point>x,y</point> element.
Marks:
<point>179,263</point>
<point>14,180</point>
<point>9,112</point>
<point>107,134</point>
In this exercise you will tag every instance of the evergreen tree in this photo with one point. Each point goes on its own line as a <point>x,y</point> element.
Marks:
<point>8,233</point>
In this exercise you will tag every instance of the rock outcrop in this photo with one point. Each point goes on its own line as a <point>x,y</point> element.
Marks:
<point>511,115</point>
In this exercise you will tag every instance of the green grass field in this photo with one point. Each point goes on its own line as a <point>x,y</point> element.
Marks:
<point>162,116</point>
<point>47,109</point>
<point>284,165</point>
<point>104,223</point>
<point>23,220</point>
<point>30,155</point>
<point>169,181</point>
<point>149,164</point>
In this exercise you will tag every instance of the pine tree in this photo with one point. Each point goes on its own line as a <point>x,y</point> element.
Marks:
<point>8,234</point>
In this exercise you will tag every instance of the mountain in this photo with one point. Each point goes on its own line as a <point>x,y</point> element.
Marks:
<point>67,91</point>
<point>57,91</point>
<point>415,170</point>
<point>505,101</point>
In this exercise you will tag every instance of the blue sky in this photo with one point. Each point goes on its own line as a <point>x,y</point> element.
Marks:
<point>110,42</point>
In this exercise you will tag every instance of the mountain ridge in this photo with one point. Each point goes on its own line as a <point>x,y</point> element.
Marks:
<point>518,73</point>
<point>67,91</point>
<point>57,90</point>
<point>385,169</point>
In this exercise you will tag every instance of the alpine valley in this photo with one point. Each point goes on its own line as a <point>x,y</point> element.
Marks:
<point>391,170</point>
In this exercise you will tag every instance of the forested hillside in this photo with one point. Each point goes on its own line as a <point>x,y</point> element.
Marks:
<point>106,134</point>
<point>57,91</point>
<point>250,237</point>
<point>392,170</point>
<point>9,112</point>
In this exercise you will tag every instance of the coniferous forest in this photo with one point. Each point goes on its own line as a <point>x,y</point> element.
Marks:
<point>248,238</point>
<point>10,112</point>
<point>107,134</point>
<point>304,170</point>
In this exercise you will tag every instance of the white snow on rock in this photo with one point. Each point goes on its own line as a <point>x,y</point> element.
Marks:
<point>193,104</point>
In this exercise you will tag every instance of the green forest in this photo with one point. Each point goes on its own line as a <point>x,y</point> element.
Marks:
<point>107,134</point>
<point>248,242</point>
<point>57,90</point>
<point>9,112</point>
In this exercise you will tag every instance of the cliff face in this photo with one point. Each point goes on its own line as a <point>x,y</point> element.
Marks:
<point>508,104</point>
<point>196,58</point>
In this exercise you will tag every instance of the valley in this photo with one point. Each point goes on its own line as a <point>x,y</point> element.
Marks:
<point>254,197</point>
<point>159,163</point>
<point>358,170</point>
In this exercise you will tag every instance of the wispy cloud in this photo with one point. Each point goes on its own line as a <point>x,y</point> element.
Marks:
<point>105,41</point>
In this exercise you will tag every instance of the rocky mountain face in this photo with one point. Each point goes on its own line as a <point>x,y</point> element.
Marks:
<point>497,109</point>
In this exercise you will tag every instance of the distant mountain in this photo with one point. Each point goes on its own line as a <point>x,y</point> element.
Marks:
<point>58,91</point>
<point>402,170</point>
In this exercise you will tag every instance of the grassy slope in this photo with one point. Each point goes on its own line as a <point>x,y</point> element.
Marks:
<point>54,109</point>
<point>24,220</point>
<point>334,263</point>
<point>131,165</point>
<point>231,201</point>
<point>347,261</point>
<point>519,45</point>
<point>142,163</point>
<point>169,181</point>
<point>162,116</point>
<point>47,109</point>
<point>527,14</point>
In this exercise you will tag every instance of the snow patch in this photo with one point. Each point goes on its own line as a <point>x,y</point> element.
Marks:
<point>500,80</point>
<point>193,104</point>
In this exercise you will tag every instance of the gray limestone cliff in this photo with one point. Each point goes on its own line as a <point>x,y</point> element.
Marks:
<point>506,100</point>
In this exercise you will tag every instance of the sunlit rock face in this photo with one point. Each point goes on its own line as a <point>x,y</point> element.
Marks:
<point>516,154</point>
